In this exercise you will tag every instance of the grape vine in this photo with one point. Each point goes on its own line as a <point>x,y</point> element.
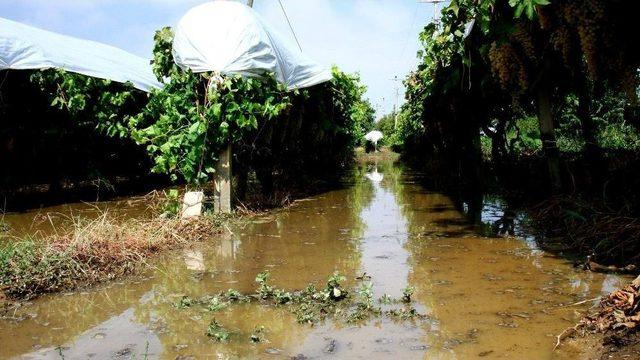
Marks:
<point>185,125</point>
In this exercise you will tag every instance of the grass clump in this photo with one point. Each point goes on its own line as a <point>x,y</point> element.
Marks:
<point>26,268</point>
<point>91,251</point>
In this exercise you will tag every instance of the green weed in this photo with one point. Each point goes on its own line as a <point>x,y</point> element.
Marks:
<point>217,331</point>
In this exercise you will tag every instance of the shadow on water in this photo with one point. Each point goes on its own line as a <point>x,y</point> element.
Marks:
<point>484,295</point>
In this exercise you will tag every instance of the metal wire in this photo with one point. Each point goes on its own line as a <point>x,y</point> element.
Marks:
<point>290,26</point>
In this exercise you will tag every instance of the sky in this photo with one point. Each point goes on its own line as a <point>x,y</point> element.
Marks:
<point>376,38</point>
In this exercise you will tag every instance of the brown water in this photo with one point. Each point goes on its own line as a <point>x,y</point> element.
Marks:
<point>493,297</point>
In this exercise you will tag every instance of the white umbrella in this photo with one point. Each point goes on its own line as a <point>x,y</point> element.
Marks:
<point>374,136</point>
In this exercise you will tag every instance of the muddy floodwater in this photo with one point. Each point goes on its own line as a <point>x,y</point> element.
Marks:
<point>490,297</point>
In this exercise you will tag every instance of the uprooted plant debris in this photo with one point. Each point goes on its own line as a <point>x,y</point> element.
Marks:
<point>310,305</point>
<point>91,252</point>
<point>617,318</point>
<point>610,237</point>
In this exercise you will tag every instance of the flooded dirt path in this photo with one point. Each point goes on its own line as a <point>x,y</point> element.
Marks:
<point>487,297</point>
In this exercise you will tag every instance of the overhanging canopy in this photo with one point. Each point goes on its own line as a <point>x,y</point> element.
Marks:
<point>231,38</point>
<point>24,47</point>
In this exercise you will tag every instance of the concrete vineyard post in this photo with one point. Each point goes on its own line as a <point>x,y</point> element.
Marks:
<point>222,182</point>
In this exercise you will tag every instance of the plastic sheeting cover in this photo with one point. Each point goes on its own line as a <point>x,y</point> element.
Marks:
<point>231,38</point>
<point>24,47</point>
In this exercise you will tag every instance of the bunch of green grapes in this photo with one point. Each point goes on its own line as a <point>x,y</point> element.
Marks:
<point>505,63</point>
<point>522,36</point>
<point>588,19</point>
<point>499,64</point>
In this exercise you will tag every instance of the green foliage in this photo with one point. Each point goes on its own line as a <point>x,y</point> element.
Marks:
<point>348,100</point>
<point>265,290</point>
<point>334,289</point>
<point>366,294</point>
<point>217,331</point>
<point>184,126</point>
<point>387,126</point>
<point>235,296</point>
<point>312,305</point>
<point>75,141</point>
<point>172,203</point>
<point>613,133</point>
<point>524,136</point>
<point>188,122</point>
<point>619,136</point>
<point>385,299</point>
<point>407,293</point>
<point>364,307</point>
<point>478,91</point>
<point>216,304</point>
<point>404,314</point>
<point>29,269</point>
<point>612,130</point>
<point>101,103</point>
<point>526,6</point>
<point>185,302</point>
<point>163,64</point>
<point>441,45</point>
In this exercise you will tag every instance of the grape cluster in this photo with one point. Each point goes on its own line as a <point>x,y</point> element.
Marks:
<point>505,63</point>
<point>522,37</point>
<point>588,19</point>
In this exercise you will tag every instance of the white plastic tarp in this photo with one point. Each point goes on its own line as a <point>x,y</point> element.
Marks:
<point>24,47</point>
<point>231,38</point>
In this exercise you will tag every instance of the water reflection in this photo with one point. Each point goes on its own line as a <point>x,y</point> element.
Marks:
<point>374,175</point>
<point>483,295</point>
<point>384,257</point>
